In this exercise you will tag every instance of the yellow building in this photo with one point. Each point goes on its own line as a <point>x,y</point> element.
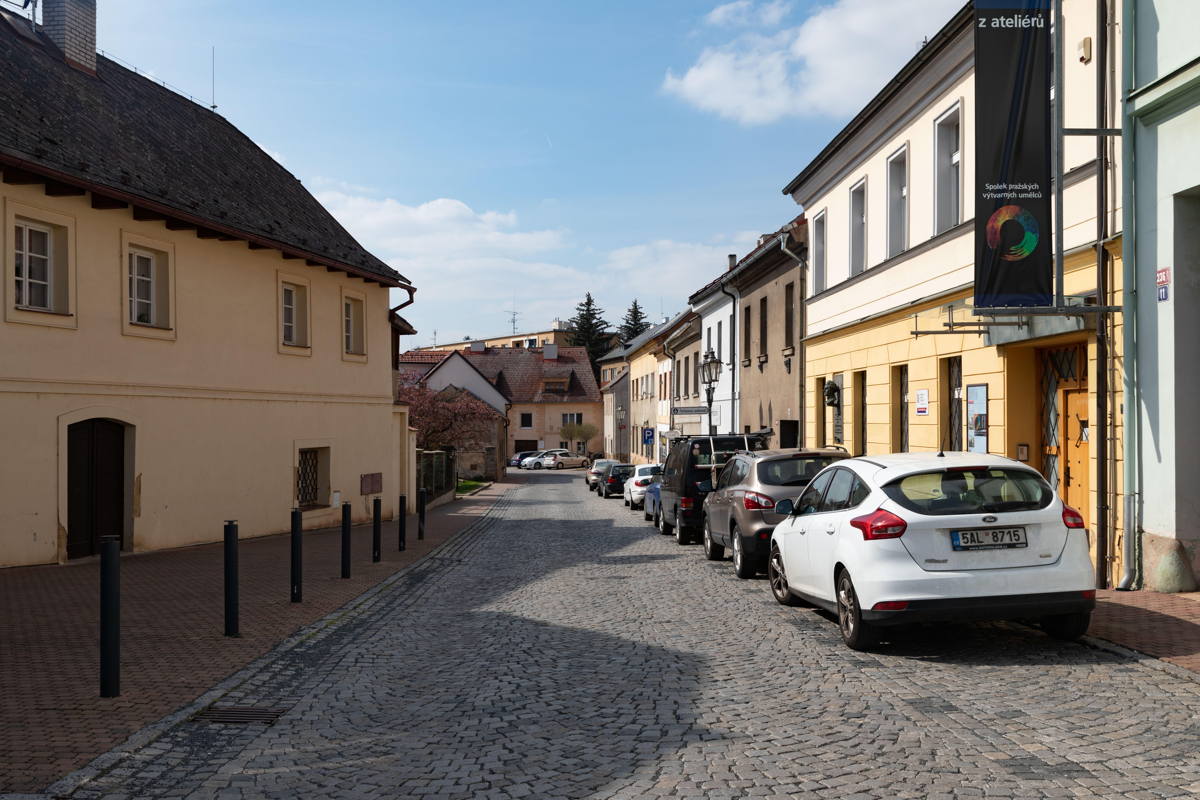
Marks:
<point>889,366</point>
<point>558,334</point>
<point>187,335</point>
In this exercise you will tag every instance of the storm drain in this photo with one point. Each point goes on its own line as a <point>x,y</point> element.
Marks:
<point>239,715</point>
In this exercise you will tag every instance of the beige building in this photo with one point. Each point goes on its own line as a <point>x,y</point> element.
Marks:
<point>891,244</point>
<point>684,347</point>
<point>187,335</point>
<point>559,333</point>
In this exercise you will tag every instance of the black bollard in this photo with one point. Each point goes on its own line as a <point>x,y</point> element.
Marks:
<point>402,529</point>
<point>376,530</point>
<point>421,495</point>
<point>231,578</point>
<point>110,616</point>
<point>297,556</point>
<point>345,540</point>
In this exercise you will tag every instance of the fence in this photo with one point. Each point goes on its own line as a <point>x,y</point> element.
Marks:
<point>436,472</point>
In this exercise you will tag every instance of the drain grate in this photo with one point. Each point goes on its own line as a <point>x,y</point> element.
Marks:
<point>239,715</point>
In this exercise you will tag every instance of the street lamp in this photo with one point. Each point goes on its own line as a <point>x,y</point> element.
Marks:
<point>710,372</point>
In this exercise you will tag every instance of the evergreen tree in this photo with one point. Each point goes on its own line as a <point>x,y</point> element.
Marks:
<point>634,324</point>
<point>590,329</point>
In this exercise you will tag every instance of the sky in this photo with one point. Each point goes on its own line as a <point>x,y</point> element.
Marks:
<point>515,155</point>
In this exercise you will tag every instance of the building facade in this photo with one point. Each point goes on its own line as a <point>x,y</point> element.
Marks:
<point>715,308</point>
<point>559,333</point>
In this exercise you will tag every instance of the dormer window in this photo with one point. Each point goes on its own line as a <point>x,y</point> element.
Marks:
<point>555,385</point>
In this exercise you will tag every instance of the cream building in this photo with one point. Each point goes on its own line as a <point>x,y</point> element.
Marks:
<point>188,336</point>
<point>559,333</point>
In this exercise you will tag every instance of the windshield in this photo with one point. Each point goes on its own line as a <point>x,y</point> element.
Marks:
<point>651,470</point>
<point>602,463</point>
<point>971,490</point>
<point>791,471</point>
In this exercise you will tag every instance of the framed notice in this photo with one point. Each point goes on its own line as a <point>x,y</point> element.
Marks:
<point>977,418</point>
<point>922,402</point>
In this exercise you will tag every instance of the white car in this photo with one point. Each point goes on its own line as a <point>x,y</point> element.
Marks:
<point>561,459</point>
<point>635,484</point>
<point>534,460</point>
<point>922,537</point>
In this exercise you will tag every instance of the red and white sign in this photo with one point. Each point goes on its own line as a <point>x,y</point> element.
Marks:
<point>1162,277</point>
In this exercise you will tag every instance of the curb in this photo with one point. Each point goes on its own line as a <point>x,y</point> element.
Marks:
<point>1143,659</point>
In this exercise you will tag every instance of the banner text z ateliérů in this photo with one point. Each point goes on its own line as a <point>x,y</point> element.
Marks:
<point>1013,255</point>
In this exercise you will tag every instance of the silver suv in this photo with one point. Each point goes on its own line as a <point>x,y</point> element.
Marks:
<point>739,511</point>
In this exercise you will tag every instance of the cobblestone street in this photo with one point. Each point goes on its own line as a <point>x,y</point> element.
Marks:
<point>563,648</point>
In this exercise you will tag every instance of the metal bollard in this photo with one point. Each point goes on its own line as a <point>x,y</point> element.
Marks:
<point>345,540</point>
<point>402,529</point>
<point>110,616</point>
<point>297,556</point>
<point>231,578</point>
<point>421,495</point>
<point>376,530</point>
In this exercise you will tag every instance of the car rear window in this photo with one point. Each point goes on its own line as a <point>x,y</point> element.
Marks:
<point>971,490</point>
<point>797,471</point>
<point>655,470</point>
<point>622,472</point>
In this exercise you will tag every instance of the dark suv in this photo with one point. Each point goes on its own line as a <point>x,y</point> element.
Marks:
<point>739,511</point>
<point>693,463</point>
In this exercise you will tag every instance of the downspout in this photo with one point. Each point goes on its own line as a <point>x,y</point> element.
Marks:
<point>803,331</point>
<point>734,417</point>
<point>1103,410</point>
<point>412,295</point>
<point>1131,549</point>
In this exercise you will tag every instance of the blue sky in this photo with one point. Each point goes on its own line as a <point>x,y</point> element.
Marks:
<point>531,148</point>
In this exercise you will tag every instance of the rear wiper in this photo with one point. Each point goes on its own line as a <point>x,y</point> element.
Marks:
<point>1010,505</point>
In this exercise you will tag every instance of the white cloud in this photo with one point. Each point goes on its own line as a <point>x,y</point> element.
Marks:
<point>669,269</point>
<point>746,12</point>
<point>829,65</point>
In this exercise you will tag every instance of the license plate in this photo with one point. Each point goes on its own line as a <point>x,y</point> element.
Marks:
<point>989,539</point>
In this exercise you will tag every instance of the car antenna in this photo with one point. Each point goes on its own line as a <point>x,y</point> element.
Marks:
<point>942,448</point>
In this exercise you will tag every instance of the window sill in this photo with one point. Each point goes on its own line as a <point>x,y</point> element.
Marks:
<point>36,310</point>
<point>147,331</point>
<point>762,358</point>
<point>295,349</point>
<point>788,352</point>
<point>318,507</point>
<point>40,316</point>
<point>355,358</point>
<point>745,362</point>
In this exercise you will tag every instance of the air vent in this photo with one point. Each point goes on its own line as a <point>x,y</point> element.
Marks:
<point>239,715</point>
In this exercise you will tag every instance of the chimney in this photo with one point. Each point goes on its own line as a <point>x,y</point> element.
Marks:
<point>732,260</point>
<point>550,352</point>
<point>71,26</point>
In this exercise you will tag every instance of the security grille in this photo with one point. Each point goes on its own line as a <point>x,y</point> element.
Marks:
<point>306,479</point>
<point>239,715</point>
<point>954,408</point>
<point>1058,367</point>
<point>904,408</point>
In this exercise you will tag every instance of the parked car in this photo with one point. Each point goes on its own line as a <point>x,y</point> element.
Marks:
<point>691,462</point>
<point>593,472</point>
<point>517,458</point>
<point>739,510</point>
<point>533,460</point>
<point>651,502</point>
<point>561,459</point>
<point>919,537</point>
<point>612,480</point>
<point>634,492</point>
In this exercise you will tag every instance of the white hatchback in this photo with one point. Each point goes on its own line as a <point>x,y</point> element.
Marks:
<point>922,537</point>
<point>637,483</point>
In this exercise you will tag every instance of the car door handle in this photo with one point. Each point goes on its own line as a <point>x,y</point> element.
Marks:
<point>832,529</point>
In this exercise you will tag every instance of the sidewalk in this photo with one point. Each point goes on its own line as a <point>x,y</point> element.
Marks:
<point>1165,626</point>
<point>52,720</point>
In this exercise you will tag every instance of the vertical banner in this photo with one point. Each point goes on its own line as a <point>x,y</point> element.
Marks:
<point>1013,256</point>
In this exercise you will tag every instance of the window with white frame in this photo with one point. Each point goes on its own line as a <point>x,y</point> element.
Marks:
<point>144,308</point>
<point>858,227</point>
<point>572,419</point>
<point>353,340</point>
<point>818,254</point>
<point>295,314</point>
<point>897,174</point>
<point>33,248</point>
<point>948,178</point>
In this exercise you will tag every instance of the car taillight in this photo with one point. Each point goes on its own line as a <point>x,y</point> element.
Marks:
<point>686,503</point>
<point>880,524</point>
<point>642,482</point>
<point>753,501</point>
<point>1071,517</point>
<point>1089,594</point>
<point>890,605</point>
<point>612,480</point>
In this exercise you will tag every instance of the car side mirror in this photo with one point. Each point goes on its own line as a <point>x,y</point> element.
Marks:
<point>705,486</point>
<point>784,508</point>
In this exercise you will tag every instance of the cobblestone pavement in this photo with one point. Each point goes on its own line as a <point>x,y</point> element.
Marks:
<point>565,649</point>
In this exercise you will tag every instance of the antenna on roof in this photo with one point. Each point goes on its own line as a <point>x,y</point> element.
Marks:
<point>32,13</point>
<point>435,337</point>
<point>513,314</point>
<point>214,78</point>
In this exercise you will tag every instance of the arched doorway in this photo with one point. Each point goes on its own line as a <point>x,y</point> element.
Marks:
<point>95,484</point>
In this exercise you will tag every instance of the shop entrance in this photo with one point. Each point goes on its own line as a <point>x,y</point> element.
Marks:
<point>95,484</point>
<point>1076,449</point>
<point>1066,434</point>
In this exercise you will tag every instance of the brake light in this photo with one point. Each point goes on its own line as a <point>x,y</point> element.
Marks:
<point>686,503</point>
<point>612,480</point>
<point>890,605</point>
<point>753,501</point>
<point>642,482</point>
<point>1089,594</point>
<point>1071,517</point>
<point>880,524</point>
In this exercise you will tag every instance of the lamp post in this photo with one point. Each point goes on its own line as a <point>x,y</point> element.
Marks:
<point>710,372</point>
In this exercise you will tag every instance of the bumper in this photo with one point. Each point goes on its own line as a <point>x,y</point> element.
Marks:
<point>1021,606</point>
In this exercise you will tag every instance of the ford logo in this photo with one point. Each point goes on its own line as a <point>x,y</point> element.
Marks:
<point>989,518</point>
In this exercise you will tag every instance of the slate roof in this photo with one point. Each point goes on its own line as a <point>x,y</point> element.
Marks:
<point>620,351</point>
<point>121,131</point>
<point>518,372</point>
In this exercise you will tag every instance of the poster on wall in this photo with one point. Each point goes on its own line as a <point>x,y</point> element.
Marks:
<point>1013,257</point>
<point>977,418</point>
<point>922,402</point>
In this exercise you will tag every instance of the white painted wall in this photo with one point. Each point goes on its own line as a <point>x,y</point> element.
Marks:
<point>714,308</point>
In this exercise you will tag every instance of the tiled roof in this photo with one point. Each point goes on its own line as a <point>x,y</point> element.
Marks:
<point>424,356</point>
<point>123,132</point>
<point>519,373</point>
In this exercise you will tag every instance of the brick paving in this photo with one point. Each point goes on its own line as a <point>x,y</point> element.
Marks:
<point>52,720</point>
<point>1165,626</point>
<point>563,649</point>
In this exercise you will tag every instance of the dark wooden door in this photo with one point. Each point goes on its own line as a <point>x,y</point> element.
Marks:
<point>95,484</point>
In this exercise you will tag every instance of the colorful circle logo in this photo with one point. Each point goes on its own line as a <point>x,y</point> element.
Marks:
<point>1029,226</point>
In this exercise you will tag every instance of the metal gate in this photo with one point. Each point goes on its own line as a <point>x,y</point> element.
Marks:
<point>307,479</point>
<point>903,370</point>
<point>1061,368</point>
<point>954,401</point>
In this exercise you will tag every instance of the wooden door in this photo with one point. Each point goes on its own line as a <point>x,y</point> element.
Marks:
<point>1075,448</point>
<point>95,484</point>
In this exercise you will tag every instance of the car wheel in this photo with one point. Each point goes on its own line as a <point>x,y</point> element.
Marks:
<point>712,550</point>
<point>646,515</point>
<point>857,634</point>
<point>658,520</point>
<point>625,500</point>
<point>681,535</point>
<point>778,579</point>
<point>666,527</point>
<point>743,566</point>
<point>559,465</point>
<point>1067,627</point>
<point>586,464</point>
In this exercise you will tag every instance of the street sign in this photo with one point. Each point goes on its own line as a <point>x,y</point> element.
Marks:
<point>690,410</point>
<point>647,435</point>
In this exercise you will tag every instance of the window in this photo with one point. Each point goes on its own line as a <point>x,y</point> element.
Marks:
<point>141,288</point>
<point>675,373</point>
<point>708,342</point>
<point>531,342</point>
<point>554,385</point>
<point>34,272</point>
<point>810,500</point>
<point>293,314</point>
<point>696,374</point>
<point>762,326</point>
<point>971,490</point>
<point>858,227</point>
<point>563,446</point>
<point>572,419</point>
<point>947,179</point>
<point>149,298</point>
<point>39,266</point>
<point>818,250</point>
<point>746,333</point>
<point>687,363</point>
<point>897,171</point>
<point>720,353</point>
<point>789,315</point>
<point>353,339</point>
<point>526,420</point>
<point>312,477</point>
